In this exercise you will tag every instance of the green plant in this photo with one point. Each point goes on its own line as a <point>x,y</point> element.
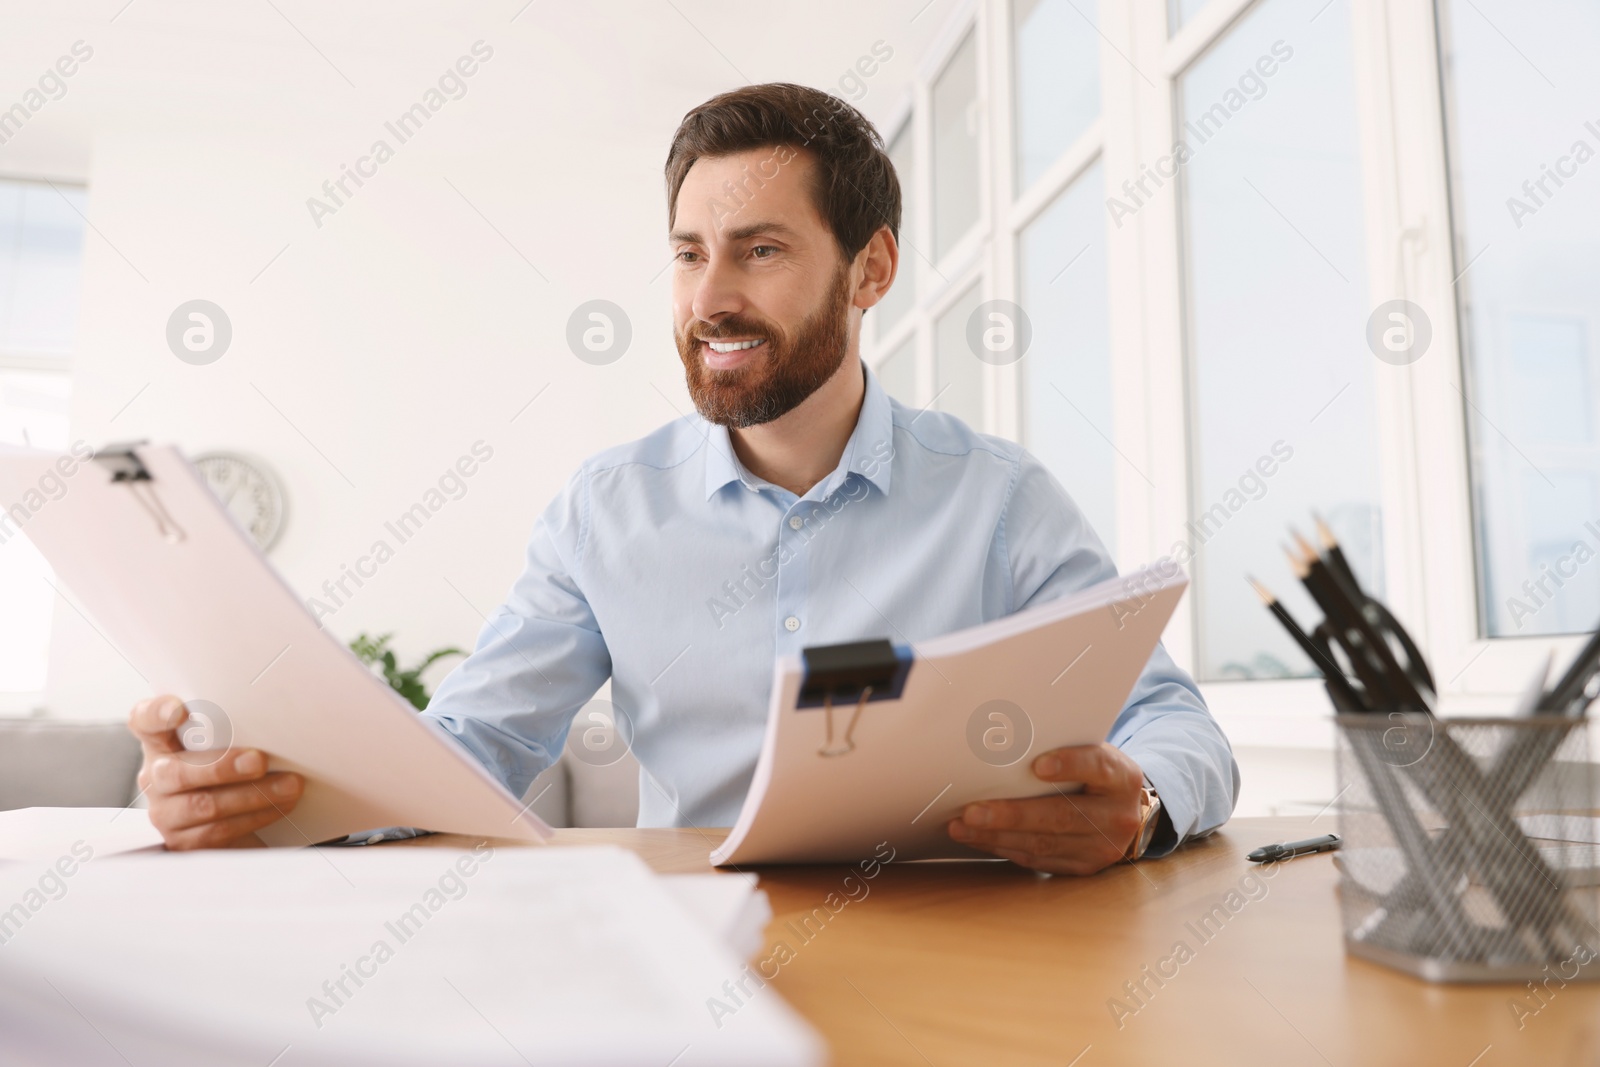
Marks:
<point>376,653</point>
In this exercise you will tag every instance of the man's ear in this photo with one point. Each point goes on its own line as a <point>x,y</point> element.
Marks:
<point>879,263</point>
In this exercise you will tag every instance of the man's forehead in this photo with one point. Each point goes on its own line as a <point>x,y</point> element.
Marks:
<point>761,190</point>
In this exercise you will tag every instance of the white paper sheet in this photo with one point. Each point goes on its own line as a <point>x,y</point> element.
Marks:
<point>1067,666</point>
<point>507,956</point>
<point>207,618</point>
<point>48,833</point>
<point>729,906</point>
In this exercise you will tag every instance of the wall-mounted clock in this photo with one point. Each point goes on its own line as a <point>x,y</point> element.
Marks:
<point>249,490</point>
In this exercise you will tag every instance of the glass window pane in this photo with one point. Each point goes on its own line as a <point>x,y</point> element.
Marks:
<point>1179,12</point>
<point>897,373</point>
<point>902,294</point>
<point>1067,423</point>
<point>1058,79</point>
<point>33,409</point>
<point>1282,382</point>
<point>957,371</point>
<point>41,252</point>
<point>955,148</point>
<point>1527,231</point>
<point>41,255</point>
<point>25,622</point>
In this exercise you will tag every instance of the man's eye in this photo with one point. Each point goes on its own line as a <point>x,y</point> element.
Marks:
<point>687,256</point>
<point>758,251</point>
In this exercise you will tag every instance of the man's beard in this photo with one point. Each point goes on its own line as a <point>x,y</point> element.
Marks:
<point>786,371</point>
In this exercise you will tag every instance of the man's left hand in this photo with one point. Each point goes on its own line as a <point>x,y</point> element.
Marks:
<point>1064,833</point>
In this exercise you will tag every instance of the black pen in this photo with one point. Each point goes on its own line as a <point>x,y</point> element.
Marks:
<point>1273,853</point>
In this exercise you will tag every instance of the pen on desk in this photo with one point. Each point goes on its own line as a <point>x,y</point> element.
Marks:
<point>1273,853</point>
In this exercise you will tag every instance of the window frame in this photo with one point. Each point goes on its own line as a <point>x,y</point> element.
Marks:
<point>1425,490</point>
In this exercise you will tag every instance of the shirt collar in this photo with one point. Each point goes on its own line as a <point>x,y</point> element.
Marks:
<point>869,452</point>
<point>721,467</point>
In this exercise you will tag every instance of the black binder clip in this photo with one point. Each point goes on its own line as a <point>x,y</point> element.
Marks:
<point>859,671</point>
<point>126,466</point>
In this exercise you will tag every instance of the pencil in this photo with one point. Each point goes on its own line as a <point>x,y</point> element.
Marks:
<point>1349,600</point>
<point>1340,690</point>
<point>1375,680</point>
<point>1370,610</point>
<point>1334,554</point>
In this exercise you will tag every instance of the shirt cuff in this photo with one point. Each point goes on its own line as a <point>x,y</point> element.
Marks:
<point>1177,808</point>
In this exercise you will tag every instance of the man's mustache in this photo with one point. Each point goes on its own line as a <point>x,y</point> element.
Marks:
<point>739,329</point>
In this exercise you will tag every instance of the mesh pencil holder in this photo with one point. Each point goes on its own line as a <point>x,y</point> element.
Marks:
<point>1453,867</point>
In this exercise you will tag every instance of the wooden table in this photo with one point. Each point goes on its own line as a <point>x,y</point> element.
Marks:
<point>983,963</point>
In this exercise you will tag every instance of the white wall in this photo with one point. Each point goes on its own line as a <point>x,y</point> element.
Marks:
<point>405,328</point>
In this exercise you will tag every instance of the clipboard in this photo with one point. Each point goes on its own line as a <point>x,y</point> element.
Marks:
<point>185,596</point>
<point>872,742</point>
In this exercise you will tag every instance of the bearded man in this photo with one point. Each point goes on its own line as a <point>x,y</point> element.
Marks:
<point>801,506</point>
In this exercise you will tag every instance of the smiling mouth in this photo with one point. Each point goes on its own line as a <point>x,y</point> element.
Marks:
<point>721,347</point>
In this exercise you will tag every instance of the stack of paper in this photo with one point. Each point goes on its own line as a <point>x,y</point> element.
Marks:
<point>381,955</point>
<point>977,706</point>
<point>732,910</point>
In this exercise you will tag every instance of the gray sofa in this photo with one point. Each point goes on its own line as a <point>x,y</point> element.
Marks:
<point>52,763</point>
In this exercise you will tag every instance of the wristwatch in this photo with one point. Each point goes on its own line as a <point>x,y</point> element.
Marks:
<point>1149,818</point>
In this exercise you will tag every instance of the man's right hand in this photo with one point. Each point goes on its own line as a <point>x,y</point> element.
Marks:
<point>206,799</point>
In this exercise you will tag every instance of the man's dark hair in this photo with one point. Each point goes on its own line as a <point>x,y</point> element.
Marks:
<point>855,189</point>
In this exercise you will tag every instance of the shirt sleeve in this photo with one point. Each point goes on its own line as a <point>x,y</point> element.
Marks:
<point>1051,551</point>
<point>538,659</point>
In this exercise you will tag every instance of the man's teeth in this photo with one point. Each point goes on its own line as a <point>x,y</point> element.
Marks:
<point>731,346</point>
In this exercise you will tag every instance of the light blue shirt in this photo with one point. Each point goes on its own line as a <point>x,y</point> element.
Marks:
<point>668,567</point>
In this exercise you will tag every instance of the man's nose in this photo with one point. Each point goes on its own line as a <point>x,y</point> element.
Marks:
<point>717,292</point>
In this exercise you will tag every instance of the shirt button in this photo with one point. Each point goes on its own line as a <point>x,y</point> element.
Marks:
<point>795,522</point>
<point>791,624</point>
